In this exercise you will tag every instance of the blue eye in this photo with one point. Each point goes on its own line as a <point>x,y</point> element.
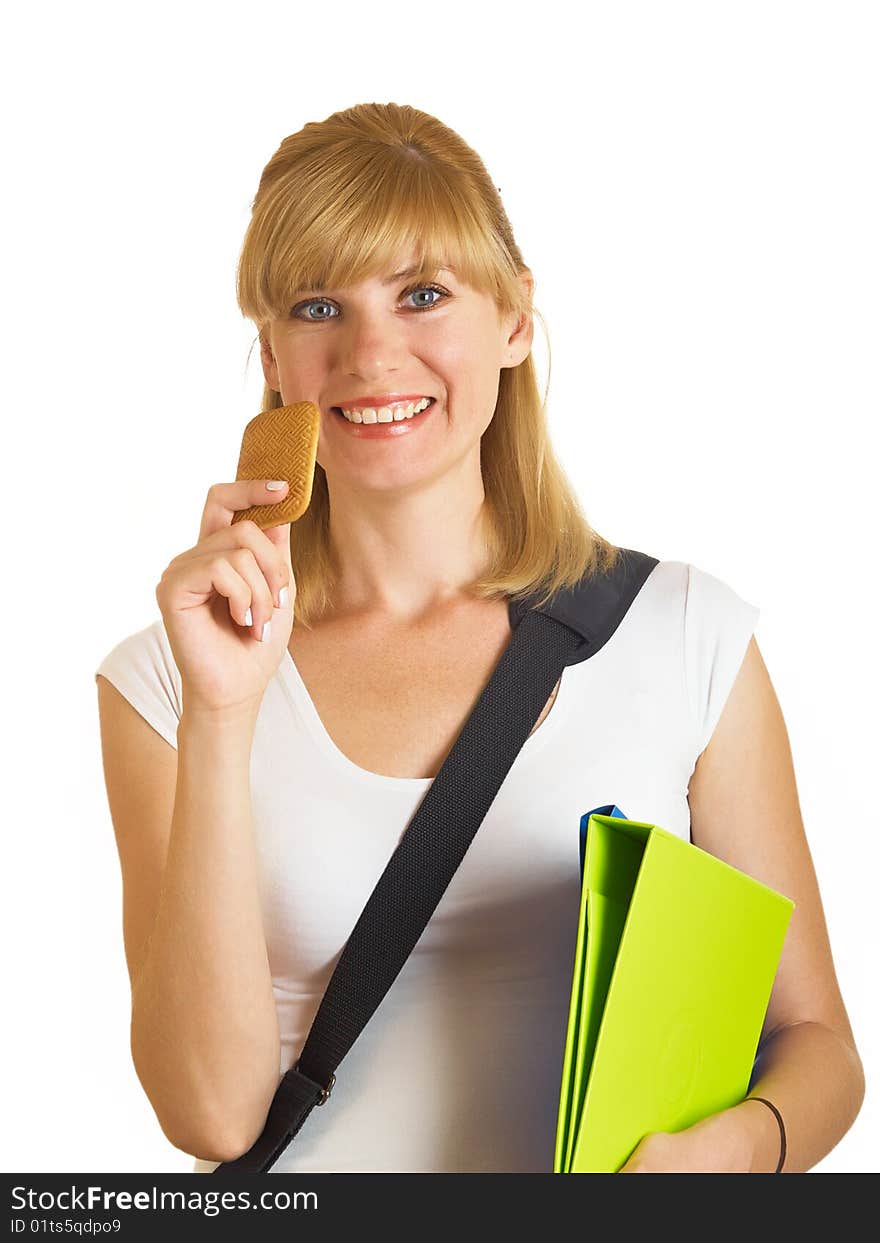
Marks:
<point>426,306</point>
<point>411,290</point>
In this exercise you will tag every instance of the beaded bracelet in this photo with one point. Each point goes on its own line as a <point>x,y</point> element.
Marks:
<point>781,1128</point>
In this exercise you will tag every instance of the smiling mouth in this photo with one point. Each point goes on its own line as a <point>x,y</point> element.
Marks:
<point>387,414</point>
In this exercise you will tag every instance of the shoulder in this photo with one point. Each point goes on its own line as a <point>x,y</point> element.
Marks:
<point>142,668</point>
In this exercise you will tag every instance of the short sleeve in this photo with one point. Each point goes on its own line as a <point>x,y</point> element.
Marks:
<point>717,629</point>
<point>142,668</point>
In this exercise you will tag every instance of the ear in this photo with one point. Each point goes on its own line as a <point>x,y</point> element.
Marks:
<point>520,340</point>
<point>267,358</point>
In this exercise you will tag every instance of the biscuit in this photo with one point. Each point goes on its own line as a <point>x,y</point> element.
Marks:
<point>281,444</point>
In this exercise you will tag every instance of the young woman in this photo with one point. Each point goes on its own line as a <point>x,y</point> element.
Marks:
<point>266,743</point>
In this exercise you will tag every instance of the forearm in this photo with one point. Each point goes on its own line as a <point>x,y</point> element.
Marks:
<point>204,1034</point>
<point>816,1081</point>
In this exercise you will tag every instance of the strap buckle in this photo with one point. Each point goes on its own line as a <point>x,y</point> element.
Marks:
<point>325,1092</point>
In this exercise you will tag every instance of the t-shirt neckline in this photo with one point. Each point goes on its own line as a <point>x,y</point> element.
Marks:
<point>298,693</point>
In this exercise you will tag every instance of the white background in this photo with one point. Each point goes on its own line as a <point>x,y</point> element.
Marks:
<point>695,188</point>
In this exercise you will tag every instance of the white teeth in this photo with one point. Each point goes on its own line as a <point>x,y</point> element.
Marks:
<point>387,414</point>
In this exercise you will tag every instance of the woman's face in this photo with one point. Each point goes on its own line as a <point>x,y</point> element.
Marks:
<point>371,344</point>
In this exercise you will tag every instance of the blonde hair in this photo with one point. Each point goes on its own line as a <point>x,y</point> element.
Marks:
<point>337,203</point>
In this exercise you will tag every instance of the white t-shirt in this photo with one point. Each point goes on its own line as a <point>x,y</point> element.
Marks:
<point>459,1068</point>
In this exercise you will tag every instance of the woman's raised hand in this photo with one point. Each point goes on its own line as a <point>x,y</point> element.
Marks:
<point>216,598</point>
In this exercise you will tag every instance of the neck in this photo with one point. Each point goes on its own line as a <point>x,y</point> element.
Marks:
<point>401,555</point>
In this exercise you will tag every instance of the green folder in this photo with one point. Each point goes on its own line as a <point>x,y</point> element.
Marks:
<point>674,965</point>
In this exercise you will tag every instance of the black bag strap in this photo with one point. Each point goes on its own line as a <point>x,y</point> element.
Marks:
<point>545,639</point>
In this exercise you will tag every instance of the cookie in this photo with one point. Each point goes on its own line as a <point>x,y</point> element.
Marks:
<point>281,444</point>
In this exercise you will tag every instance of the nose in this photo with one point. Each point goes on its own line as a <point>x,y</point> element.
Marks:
<point>371,345</point>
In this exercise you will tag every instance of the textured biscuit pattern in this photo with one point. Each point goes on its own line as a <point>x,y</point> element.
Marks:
<point>281,444</point>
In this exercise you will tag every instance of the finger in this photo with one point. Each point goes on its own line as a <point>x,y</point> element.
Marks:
<point>206,576</point>
<point>272,561</point>
<point>261,602</point>
<point>280,538</point>
<point>224,499</point>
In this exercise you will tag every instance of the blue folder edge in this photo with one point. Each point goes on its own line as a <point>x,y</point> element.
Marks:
<point>608,810</point>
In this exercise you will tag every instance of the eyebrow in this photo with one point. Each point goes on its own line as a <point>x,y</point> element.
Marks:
<point>410,271</point>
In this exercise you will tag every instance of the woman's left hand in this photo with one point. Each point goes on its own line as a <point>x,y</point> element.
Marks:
<point>718,1144</point>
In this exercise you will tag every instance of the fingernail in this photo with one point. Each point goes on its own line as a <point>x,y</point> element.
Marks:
<point>283,597</point>
<point>265,635</point>
<point>276,485</point>
<point>248,620</point>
